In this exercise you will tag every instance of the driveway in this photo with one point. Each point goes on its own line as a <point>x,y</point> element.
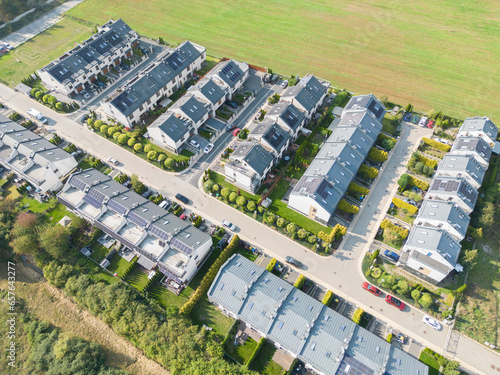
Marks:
<point>340,273</point>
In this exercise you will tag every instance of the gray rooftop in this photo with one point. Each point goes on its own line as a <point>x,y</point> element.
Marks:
<point>455,186</point>
<point>345,153</point>
<point>274,135</point>
<point>50,156</point>
<point>210,90</point>
<point>446,212</point>
<point>191,107</point>
<point>319,189</point>
<point>290,115</point>
<point>480,124</point>
<point>463,163</point>
<point>129,200</point>
<point>303,325</point>
<point>148,211</point>
<point>473,145</point>
<point>364,120</point>
<point>430,240</point>
<point>314,86</point>
<point>8,126</point>
<point>353,135</point>
<point>333,170</point>
<point>254,155</point>
<point>369,102</point>
<point>229,71</point>
<point>301,95</point>
<point>191,237</point>
<point>167,226</point>
<point>172,126</point>
<point>87,178</point>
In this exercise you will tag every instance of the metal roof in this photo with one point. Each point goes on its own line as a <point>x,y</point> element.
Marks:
<point>320,190</point>
<point>370,102</point>
<point>210,90</point>
<point>314,86</point>
<point>444,212</point>
<point>480,124</point>
<point>458,187</point>
<point>474,145</point>
<point>463,164</point>
<point>254,155</point>
<point>229,71</point>
<point>171,126</point>
<point>301,95</point>
<point>345,153</point>
<point>290,115</point>
<point>191,107</point>
<point>363,119</point>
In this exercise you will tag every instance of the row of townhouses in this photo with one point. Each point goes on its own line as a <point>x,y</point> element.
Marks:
<point>81,66</point>
<point>250,162</point>
<point>32,157</point>
<point>162,240</point>
<point>199,105</point>
<point>326,180</point>
<point>433,245</point>
<point>323,339</point>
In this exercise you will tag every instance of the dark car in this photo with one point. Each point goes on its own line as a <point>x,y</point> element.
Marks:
<point>223,241</point>
<point>231,104</point>
<point>395,302</point>
<point>182,198</point>
<point>230,127</point>
<point>407,116</point>
<point>125,66</point>
<point>293,261</point>
<point>391,254</point>
<point>371,288</point>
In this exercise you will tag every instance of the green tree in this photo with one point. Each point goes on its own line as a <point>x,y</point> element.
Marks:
<point>59,106</point>
<point>148,148</point>
<point>251,206</point>
<point>388,144</point>
<point>122,139</point>
<point>136,183</point>
<point>112,130</point>
<point>46,98</point>
<point>302,233</point>
<point>54,240</point>
<point>215,188</point>
<point>90,122</point>
<point>291,228</point>
<point>232,197</point>
<point>402,287</point>
<point>138,147</point>
<point>270,218</point>
<point>462,289</point>
<point>451,368</point>
<point>419,166</point>
<point>56,274</point>
<point>161,158</point>
<point>98,124</point>
<point>280,222</point>
<point>225,192</point>
<point>169,163</point>
<point>312,238</point>
<point>209,184</point>
<point>470,258</point>
<point>34,91</point>
<point>241,201</point>
<point>415,294</point>
<point>24,245</point>
<point>39,95</point>
<point>389,281</point>
<point>426,300</point>
<point>131,142</point>
<point>104,129</point>
<point>152,155</point>
<point>403,181</point>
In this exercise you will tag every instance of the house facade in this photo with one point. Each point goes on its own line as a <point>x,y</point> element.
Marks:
<point>80,66</point>
<point>170,131</point>
<point>307,95</point>
<point>289,117</point>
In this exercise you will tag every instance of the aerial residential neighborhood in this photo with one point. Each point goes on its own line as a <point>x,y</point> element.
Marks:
<point>302,189</point>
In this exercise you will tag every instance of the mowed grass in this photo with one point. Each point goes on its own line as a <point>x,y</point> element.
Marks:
<point>41,50</point>
<point>410,54</point>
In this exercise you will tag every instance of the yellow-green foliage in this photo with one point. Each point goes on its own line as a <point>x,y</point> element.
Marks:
<point>409,207</point>
<point>327,299</point>
<point>357,316</point>
<point>377,155</point>
<point>300,281</point>
<point>271,265</point>
<point>336,233</point>
<point>370,172</point>
<point>401,232</point>
<point>358,189</point>
<point>384,136</point>
<point>347,207</point>
<point>436,144</point>
<point>426,161</point>
<point>413,181</point>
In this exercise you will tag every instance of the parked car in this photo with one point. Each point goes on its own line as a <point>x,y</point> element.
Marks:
<point>274,78</point>
<point>147,194</point>
<point>422,122</point>
<point>164,204</point>
<point>231,103</point>
<point>293,261</point>
<point>223,241</point>
<point>371,288</point>
<point>7,45</point>
<point>230,127</point>
<point>445,141</point>
<point>208,148</point>
<point>236,131</point>
<point>85,94</point>
<point>431,322</point>
<point>415,119</point>
<point>392,255</point>
<point>193,143</point>
<point>228,225</point>
<point>431,123</point>
<point>182,198</point>
<point>113,161</point>
<point>183,217</point>
<point>284,84</point>
<point>395,302</point>
<point>407,116</point>
<point>144,50</point>
<point>125,66</point>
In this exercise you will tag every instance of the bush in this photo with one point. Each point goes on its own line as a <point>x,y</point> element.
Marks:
<point>418,183</point>
<point>269,218</point>
<point>169,163</point>
<point>388,144</point>
<point>400,231</point>
<point>368,172</point>
<point>358,189</point>
<point>426,300</point>
<point>280,222</point>
<point>357,316</point>
<point>232,197</point>
<point>377,155</point>
<point>271,265</point>
<point>291,228</point>
<point>415,294</point>
<point>327,299</point>
<point>215,188</point>
<point>376,272</point>
<point>224,192</point>
<point>59,106</point>
<point>389,338</point>
<point>148,148</point>
<point>436,144</point>
<point>241,201</point>
<point>302,233</point>
<point>251,206</point>
<point>403,181</point>
<point>152,155</point>
<point>374,255</point>
<point>347,207</point>
<point>300,281</point>
<point>162,158</point>
<point>312,238</point>
<point>138,147</point>
<point>403,205</point>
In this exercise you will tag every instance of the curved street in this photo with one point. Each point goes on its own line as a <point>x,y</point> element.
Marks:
<point>340,273</point>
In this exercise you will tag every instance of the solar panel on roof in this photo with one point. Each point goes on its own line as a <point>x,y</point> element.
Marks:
<point>159,233</point>
<point>118,208</point>
<point>77,184</point>
<point>92,201</point>
<point>97,195</point>
<point>137,220</point>
<point>178,245</point>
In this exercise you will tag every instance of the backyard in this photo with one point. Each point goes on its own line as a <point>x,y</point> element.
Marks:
<point>41,50</point>
<point>206,313</point>
<point>241,353</point>
<point>264,363</point>
<point>138,278</point>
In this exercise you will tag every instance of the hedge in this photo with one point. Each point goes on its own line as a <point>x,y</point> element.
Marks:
<point>403,205</point>
<point>418,183</point>
<point>377,155</point>
<point>382,136</point>
<point>370,172</point>
<point>355,188</point>
<point>387,224</point>
<point>375,255</point>
<point>426,161</point>
<point>261,343</point>
<point>357,316</point>
<point>327,299</point>
<point>300,281</point>
<point>270,266</point>
<point>230,332</point>
<point>336,233</point>
<point>389,338</point>
<point>210,276</point>
<point>436,144</point>
<point>347,207</point>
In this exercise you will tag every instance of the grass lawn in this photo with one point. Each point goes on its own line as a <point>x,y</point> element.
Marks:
<point>104,276</point>
<point>246,253</point>
<point>41,50</point>
<point>166,298</point>
<point>58,213</point>
<point>210,62</point>
<point>137,278</point>
<point>34,205</point>
<point>264,363</point>
<point>284,36</point>
<point>10,191</point>
<point>430,361</point>
<point>279,190</point>
<point>388,126</point>
<point>220,179</point>
<point>432,151</point>
<point>99,251</point>
<point>241,353</point>
<point>206,313</point>
<point>118,265</point>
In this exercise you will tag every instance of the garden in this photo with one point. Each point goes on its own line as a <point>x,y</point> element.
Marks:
<point>422,165</point>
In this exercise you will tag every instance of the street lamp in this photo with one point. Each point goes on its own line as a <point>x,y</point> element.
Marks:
<point>381,281</point>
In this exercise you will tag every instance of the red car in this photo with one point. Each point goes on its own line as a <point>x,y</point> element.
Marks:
<point>183,217</point>
<point>236,131</point>
<point>431,123</point>
<point>395,302</point>
<point>372,289</point>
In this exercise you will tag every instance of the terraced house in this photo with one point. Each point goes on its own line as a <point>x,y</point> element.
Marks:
<point>80,66</point>
<point>328,343</point>
<point>307,95</point>
<point>161,78</point>
<point>161,240</point>
<point>32,157</point>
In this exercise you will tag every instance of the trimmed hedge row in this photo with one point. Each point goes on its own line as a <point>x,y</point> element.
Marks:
<point>369,172</point>
<point>387,224</point>
<point>300,281</point>
<point>436,144</point>
<point>358,189</point>
<point>418,183</point>
<point>210,276</point>
<point>377,155</point>
<point>336,233</point>
<point>230,332</point>
<point>327,299</point>
<point>261,343</point>
<point>426,161</point>
<point>347,207</point>
<point>358,315</point>
<point>270,266</point>
<point>403,205</point>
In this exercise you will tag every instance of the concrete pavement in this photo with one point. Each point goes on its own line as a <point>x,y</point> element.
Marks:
<point>340,273</point>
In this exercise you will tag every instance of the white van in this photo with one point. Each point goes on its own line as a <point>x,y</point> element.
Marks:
<point>163,204</point>
<point>32,112</point>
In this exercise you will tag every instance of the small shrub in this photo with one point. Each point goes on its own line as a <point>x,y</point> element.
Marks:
<point>358,315</point>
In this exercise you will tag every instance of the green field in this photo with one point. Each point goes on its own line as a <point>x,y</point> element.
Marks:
<point>41,50</point>
<point>440,55</point>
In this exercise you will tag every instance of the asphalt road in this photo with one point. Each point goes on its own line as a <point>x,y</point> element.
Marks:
<point>340,273</point>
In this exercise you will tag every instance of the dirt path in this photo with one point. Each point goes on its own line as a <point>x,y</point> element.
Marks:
<point>50,304</point>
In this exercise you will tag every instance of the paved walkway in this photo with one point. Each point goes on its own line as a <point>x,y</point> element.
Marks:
<point>36,27</point>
